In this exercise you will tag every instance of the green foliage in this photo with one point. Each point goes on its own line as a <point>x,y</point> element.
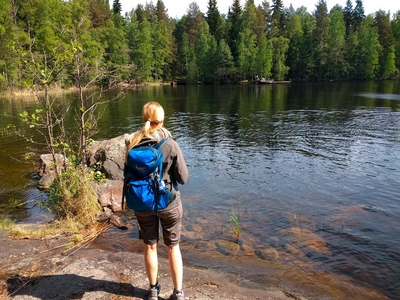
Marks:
<point>32,120</point>
<point>96,175</point>
<point>396,35</point>
<point>234,27</point>
<point>263,64</point>
<point>336,42</point>
<point>280,46</point>
<point>161,45</point>
<point>386,40</point>
<point>6,224</point>
<point>277,19</point>
<point>40,38</point>
<point>142,52</point>
<point>206,55</point>
<point>214,20</point>
<point>363,51</point>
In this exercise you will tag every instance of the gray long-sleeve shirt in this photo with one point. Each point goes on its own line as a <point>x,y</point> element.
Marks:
<point>175,170</point>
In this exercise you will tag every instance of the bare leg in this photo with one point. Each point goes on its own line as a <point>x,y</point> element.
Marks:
<point>151,263</point>
<point>175,265</point>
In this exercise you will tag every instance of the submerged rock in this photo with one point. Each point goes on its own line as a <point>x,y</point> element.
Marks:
<point>267,252</point>
<point>307,239</point>
<point>227,247</point>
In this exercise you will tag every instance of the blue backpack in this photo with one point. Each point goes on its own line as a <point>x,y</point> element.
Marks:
<point>145,189</point>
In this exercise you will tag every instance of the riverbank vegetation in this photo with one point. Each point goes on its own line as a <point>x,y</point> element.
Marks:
<point>147,45</point>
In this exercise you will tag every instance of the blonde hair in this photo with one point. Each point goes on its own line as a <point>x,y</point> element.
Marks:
<point>153,119</point>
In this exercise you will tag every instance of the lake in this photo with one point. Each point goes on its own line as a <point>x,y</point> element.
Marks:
<point>311,171</point>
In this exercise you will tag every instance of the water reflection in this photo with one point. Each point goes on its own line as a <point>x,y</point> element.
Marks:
<point>312,171</point>
<point>380,96</point>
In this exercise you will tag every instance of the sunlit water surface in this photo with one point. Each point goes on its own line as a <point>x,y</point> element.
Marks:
<point>310,170</point>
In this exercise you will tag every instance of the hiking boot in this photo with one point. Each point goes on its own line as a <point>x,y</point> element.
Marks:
<point>177,295</point>
<point>153,292</point>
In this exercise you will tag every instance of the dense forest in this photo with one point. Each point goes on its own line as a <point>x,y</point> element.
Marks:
<point>43,41</point>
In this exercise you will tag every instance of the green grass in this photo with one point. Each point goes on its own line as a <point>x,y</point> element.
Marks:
<point>6,224</point>
<point>236,231</point>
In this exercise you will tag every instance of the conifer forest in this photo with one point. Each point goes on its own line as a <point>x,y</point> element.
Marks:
<point>42,42</point>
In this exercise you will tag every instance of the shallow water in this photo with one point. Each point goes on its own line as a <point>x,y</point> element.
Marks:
<point>311,170</point>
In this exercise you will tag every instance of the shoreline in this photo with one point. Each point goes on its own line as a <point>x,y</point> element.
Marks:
<point>92,273</point>
<point>107,269</point>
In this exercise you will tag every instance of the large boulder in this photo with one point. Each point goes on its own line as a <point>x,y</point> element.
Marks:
<point>109,156</point>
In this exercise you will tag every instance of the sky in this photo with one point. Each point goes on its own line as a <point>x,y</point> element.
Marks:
<point>177,8</point>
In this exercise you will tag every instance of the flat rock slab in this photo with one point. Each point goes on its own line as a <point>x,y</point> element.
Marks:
<point>90,273</point>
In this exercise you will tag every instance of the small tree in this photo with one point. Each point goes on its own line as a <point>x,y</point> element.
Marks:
<point>48,117</point>
<point>83,58</point>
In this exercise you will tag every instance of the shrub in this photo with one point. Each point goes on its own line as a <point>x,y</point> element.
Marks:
<point>73,199</point>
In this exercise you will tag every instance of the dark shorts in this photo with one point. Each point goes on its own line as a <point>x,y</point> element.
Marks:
<point>170,220</point>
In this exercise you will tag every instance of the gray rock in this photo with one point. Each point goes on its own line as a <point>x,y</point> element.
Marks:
<point>109,156</point>
<point>48,169</point>
<point>109,193</point>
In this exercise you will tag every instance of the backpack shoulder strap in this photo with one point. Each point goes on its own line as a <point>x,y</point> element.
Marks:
<point>158,146</point>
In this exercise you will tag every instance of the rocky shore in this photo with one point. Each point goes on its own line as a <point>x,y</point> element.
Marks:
<point>108,269</point>
<point>39,269</point>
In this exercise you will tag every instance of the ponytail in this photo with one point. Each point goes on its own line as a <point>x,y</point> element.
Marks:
<point>146,127</point>
<point>153,118</point>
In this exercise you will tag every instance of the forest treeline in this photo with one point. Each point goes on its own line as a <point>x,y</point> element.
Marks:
<point>41,41</point>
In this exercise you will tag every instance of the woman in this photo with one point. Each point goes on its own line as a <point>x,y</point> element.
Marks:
<point>175,172</point>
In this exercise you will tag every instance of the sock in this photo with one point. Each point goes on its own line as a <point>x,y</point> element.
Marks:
<point>154,285</point>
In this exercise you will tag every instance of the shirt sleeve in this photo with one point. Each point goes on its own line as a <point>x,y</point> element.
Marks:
<point>181,172</point>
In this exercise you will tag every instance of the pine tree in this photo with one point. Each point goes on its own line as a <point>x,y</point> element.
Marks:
<point>161,39</point>
<point>358,13</point>
<point>295,34</point>
<point>205,55</point>
<point>278,18</point>
<point>396,35</point>
<point>336,44</point>
<point>368,50</point>
<point>117,8</point>
<point>321,39</point>
<point>348,16</point>
<point>214,20</point>
<point>386,40</point>
<point>193,20</point>
<point>142,54</point>
<point>280,46</point>
<point>225,62</point>
<point>161,12</point>
<point>234,28</point>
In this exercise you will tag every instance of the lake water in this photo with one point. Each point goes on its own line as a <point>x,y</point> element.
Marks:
<point>312,171</point>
